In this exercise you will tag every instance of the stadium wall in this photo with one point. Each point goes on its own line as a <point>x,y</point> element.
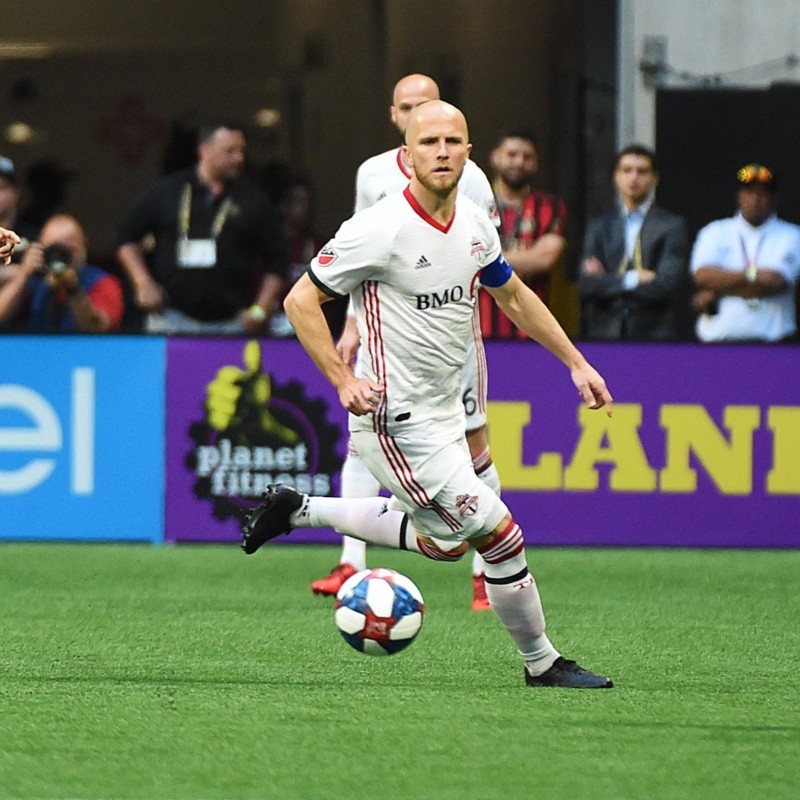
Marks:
<point>137,439</point>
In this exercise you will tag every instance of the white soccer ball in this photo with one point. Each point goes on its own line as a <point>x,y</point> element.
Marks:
<point>379,611</point>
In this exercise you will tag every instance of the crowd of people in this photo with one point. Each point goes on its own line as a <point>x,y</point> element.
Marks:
<point>210,249</point>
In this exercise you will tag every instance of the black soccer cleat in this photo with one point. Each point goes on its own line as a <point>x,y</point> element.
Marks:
<point>270,518</point>
<point>569,675</point>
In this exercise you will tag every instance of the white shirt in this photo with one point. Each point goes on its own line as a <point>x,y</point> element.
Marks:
<point>632,221</point>
<point>414,286</point>
<point>733,244</point>
<point>386,173</point>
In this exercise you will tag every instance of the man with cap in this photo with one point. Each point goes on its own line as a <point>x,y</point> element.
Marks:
<point>746,267</point>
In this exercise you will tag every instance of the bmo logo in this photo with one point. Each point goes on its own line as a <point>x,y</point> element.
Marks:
<point>38,440</point>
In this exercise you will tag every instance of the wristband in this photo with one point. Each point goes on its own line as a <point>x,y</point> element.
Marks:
<point>257,312</point>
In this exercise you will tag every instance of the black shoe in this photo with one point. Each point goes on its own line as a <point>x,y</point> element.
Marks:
<point>568,674</point>
<point>270,518</point>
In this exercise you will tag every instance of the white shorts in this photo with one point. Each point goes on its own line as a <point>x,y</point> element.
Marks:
<point>474,384</point>
<point>435,485</point>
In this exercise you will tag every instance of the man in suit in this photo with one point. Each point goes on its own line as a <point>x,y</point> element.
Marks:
<point>635,259</point>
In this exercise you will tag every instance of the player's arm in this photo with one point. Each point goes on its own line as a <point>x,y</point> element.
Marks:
<point>303,306</point>
<point>524,308</point>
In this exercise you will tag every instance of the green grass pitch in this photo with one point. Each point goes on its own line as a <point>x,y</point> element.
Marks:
<point>195,672</point>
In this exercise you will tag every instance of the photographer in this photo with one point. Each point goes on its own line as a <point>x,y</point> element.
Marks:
<point>56,291</point>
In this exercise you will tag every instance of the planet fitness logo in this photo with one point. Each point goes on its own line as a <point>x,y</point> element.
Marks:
<point>257,432</point>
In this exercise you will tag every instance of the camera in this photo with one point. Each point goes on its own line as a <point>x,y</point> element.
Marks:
<point>57,258</point>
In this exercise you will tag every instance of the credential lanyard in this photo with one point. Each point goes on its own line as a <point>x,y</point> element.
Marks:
<point>635,261</point>
<point>754,260</point>
<point>185,210</point>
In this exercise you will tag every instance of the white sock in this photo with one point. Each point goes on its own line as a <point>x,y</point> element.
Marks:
<point>514,597</point>
<point>357,481</point>
<point>367,518</point>
<point>354,552</point>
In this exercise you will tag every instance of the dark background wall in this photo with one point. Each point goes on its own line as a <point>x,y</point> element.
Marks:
<point>705,135</point>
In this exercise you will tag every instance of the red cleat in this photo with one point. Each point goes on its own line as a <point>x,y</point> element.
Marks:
<point>333,582</point>
<point>480,602</point>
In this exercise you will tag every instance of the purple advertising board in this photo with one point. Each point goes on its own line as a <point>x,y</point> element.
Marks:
<point>703,448</point>
<point>242,414</point>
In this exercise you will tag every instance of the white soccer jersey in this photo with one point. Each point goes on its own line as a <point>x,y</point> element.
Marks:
<point>414,284</point>
<point>386,174</point>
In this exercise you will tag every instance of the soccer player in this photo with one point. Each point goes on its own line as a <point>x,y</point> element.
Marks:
<point>378,177</point>
<point>406,415</point>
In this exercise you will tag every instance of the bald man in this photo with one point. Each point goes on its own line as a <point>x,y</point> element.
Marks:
<point>56,291</point>
<point>378,177</point>
<point>406,417</point>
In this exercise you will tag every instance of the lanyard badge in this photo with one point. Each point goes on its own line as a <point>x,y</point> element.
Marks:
<point>199,253</point>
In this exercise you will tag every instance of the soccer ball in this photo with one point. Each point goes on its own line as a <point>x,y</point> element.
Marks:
<point>379,611</point>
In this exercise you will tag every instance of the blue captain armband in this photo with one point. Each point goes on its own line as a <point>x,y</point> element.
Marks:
<point>498,273</point>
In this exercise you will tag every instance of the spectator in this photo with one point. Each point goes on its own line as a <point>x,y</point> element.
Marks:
<point>9,212</point>
<point>634,266</point>
<point>531,226</point>
<point>218,258</point>
<point>746,267</point>
<point>297,213</point>
<point>56,291</point>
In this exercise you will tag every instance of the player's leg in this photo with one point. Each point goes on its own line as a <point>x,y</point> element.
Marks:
<point>462,507</point>
<point>514,597</point>
<point>357,481</point>
<point>415,487</point>
<point>478,443</point>
<point>474,381</point>
<point>379,520</point>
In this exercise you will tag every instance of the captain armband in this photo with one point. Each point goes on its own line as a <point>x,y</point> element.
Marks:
<point>498,273</point>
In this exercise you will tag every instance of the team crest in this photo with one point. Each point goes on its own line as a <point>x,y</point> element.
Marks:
<point>477,248</point>
<point>467,504</point>
<point>327,256</point>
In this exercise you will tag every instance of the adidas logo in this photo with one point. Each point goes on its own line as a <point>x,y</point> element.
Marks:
<point>422,263</point>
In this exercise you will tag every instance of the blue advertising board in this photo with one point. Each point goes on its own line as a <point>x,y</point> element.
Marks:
<point>82,438</point>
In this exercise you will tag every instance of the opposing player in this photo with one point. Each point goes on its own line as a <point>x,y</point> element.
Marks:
<point>378,177</point>
<point>406,415</point>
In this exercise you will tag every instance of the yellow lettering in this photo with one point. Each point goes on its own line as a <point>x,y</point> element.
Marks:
<point>729,463</point>
<point>784,477</point>
<point>506,423</point>
<point>612,441</point>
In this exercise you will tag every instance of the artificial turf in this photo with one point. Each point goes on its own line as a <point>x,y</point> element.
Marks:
<point>196,672</point>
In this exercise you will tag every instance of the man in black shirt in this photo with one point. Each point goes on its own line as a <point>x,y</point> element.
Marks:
<point>204,248</point>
